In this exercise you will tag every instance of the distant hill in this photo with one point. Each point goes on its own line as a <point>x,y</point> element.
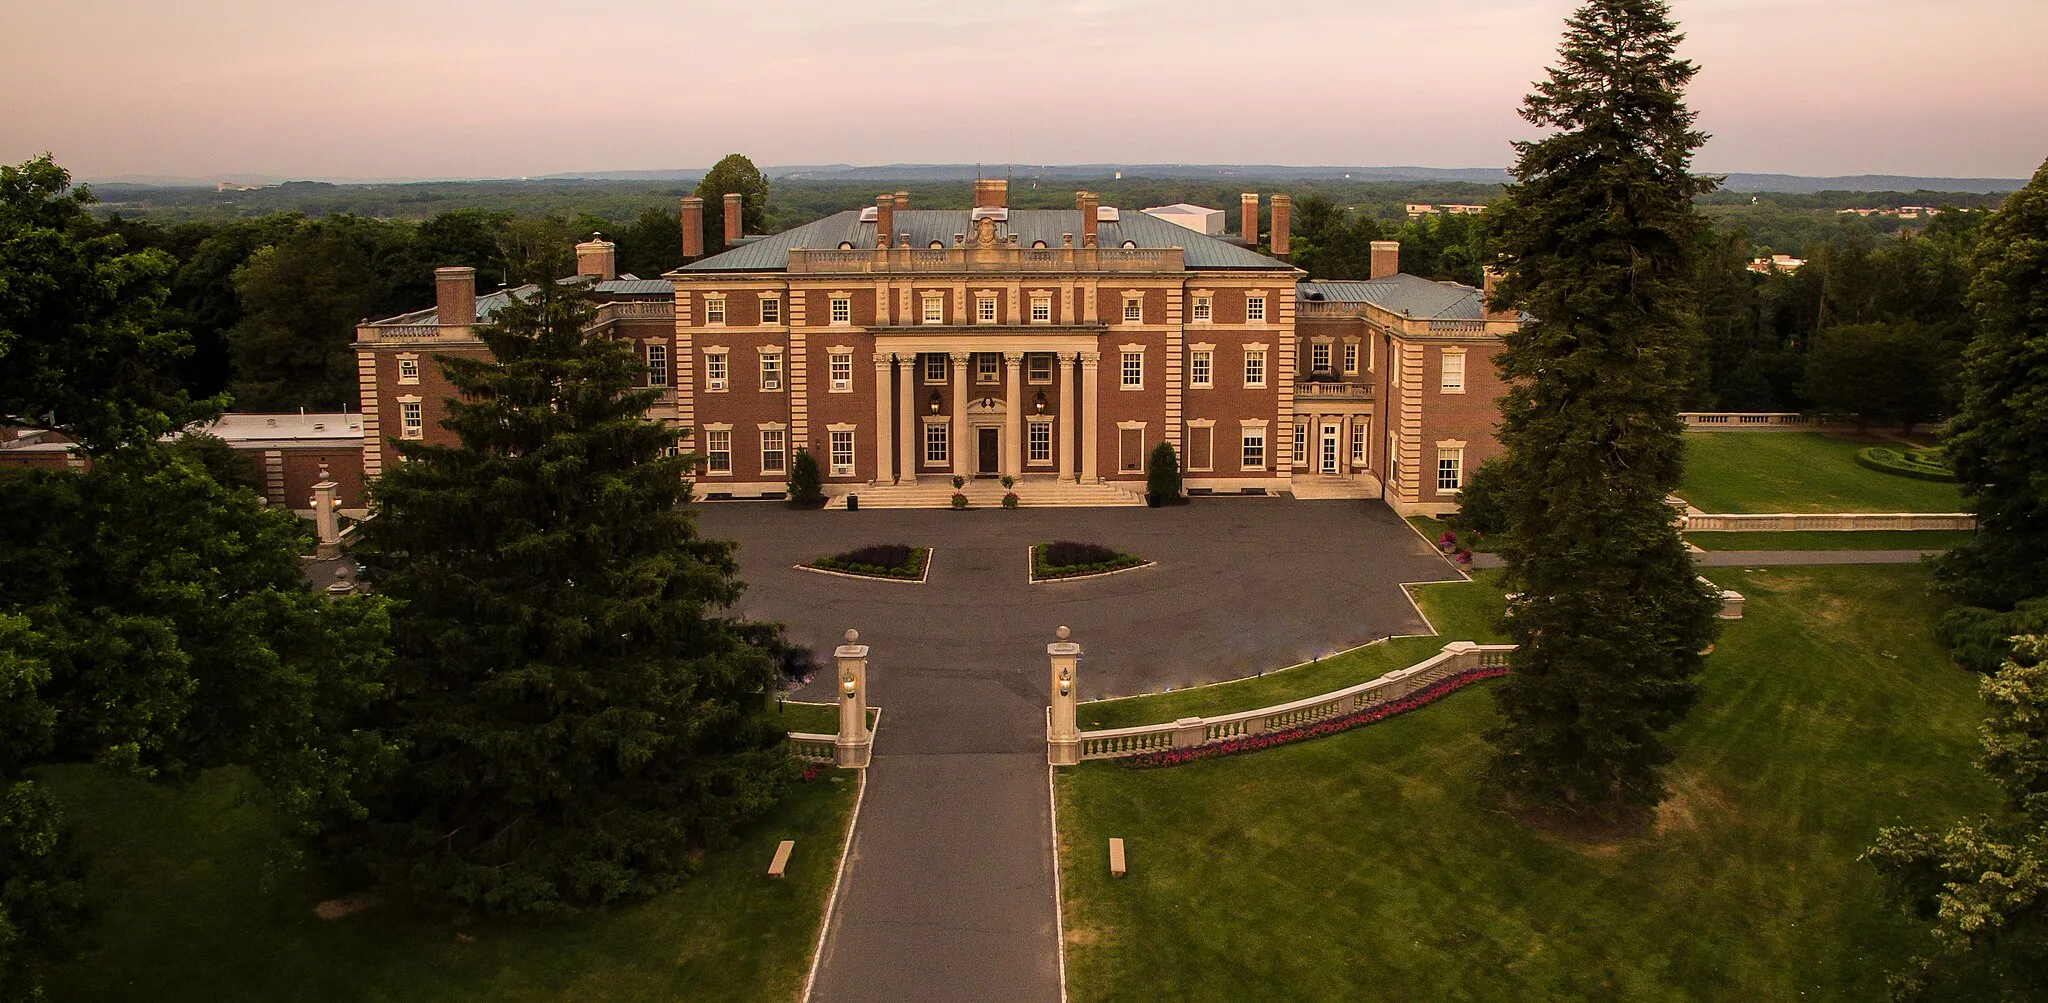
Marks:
<point>1793,184</point>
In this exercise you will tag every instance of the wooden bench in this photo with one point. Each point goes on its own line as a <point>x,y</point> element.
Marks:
<point>1116,857</point>
<point>781,861</point>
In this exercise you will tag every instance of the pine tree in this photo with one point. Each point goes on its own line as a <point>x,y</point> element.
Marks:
<point>1999,438</point>
<point>1597,237</point>
<point>579,718</point>
<point>805,488</point>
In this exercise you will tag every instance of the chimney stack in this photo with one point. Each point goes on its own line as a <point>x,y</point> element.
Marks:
<point>885,219</point>
<point>1248,218</point>
<point>902,201</point>
<point>1090,218</point>
<point>693,228</point>
<point>735,227</point>
<point>1386,258</point>
<point>991,193</point>
<point>455,296</point>
<point>597,258</point>
<point>1493,277</point>
<point>1282,206</point>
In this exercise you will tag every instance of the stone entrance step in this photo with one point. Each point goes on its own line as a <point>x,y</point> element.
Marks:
<point>938,493</point>
<point>1319,487</point>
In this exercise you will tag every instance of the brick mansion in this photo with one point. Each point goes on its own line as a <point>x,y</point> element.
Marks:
<point>904,347</point>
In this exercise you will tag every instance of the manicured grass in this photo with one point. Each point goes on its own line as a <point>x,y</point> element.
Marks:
<point>1434,530</point>
<point>1906,539</point>
<point>188,916</point>
<point>1460,611</point>
<point>810,718</point>
<point>1369,865</point>
<point>1736,472</point>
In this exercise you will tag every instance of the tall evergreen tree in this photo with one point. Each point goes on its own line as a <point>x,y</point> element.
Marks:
<point>579,719</point>
<point>1598,237</point>
<point>1999,438</point>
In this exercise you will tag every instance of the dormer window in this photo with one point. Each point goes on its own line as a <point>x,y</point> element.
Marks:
<point>1129,244</point>
<point>937,245</point>
<point>1037,244</point>
<point>846,245</point>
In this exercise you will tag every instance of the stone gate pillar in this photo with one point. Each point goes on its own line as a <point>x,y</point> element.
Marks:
<point>327,516</point>
<point>1063,740</point>
<point>855,742</point>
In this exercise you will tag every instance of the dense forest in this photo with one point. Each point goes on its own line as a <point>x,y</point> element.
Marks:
<point>271,282</point>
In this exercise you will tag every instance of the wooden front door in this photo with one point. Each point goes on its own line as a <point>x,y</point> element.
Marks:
<point>990,451</point>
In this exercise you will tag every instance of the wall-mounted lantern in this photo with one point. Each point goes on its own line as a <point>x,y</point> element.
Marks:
<point>935,402</point>
<point>1040,401</point>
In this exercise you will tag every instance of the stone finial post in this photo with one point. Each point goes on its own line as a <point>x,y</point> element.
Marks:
<point>327,515</point>
<point>855,741</point>
<point>1063,740</point>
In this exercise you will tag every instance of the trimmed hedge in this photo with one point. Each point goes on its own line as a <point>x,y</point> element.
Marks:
<point>1919,464</point>
<point>1071,559</point>
<point>881,560</point>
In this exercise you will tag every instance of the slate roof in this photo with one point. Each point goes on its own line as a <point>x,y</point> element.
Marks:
<point>771,253</point>
<point>488,303</point>
<point>1401,293</point>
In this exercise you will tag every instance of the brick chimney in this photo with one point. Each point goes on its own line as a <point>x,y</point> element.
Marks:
<point>1090,218</point>
<point>1248,217</point>
<point>455,296</point>
<point>885,218</point>
<point>902,201</point>
<point>735,227</point>
<point>991,193</point>
<point>1386,258</point>
<point>1493,277</point>
<point>597,258</point>
<point>1283,205</point>
<point>693,228</point>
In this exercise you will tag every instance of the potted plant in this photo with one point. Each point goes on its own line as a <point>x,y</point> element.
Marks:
<point>959,482</point>
<point>959,500</point>
<point>804,488</point>
<point>1009,482</point>
<point>1162,476</point>
<point>1010,500</point>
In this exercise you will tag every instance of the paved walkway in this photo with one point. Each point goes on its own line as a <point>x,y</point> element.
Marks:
<point>1773,558</point>
<point>948,890</point>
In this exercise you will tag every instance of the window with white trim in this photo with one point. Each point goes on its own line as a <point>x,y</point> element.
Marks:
<point>718,450</point>
<point>988,367</point>
<point>1038,367</point>
<point>1450,470</point>
<point>1130,449</point>
<point>1360,434</point>
<point>774,450</point>
<point>714,371</point>
<point>1202,310</point>
<point>771,310</point>
<point>935,367</point>
<point>1254,368</point>
<point>657,365</point>
<point>842,452</point>
<point>1319,357</point>
<point>1254,449</point>
<point>1300,443</point>
<point>842,310</point>
<point>714,311</point>
<point>1453,371</point>
<point>1201,447</point>
<point>411,423</point>
<point>1041,309</point>
<point>985,309</point>
<point>841,372</point>
<point>934,310</point>
<point>771,370</point>
<point>1133,371</point>
<point>1038,442</point>
<point>1351,358</point>
<point>408,368</point>
<point>936,452</point>
<point>1134,310</point>
<point>1255,309</point>
<point>1199,366</point>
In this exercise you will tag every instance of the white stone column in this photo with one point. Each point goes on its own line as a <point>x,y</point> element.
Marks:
<point>327,515</point>
<point>1091,364</point>
<point>1013,414</point>
<point>885,445</point>
<point>1062,737</point>
<point>1064,432</point>
<point>906,413</point>
<point>854,741</point>
<point>960,360</point>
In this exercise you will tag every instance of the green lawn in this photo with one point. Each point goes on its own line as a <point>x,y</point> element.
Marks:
<point>187,916</point>
<point>1908,539</point>
<point>1737,472</point>
<point>1368,865</point>
<point>1460,611</point>
<point>1433,530</point>
<point>810,718</point>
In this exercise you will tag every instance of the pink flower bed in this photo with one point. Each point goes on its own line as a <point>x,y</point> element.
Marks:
<point>1328,726</point>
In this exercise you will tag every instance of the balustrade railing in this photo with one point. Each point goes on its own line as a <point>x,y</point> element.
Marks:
<point>1000,258</point>
<point>1334,391</point>
<point>814,748</point>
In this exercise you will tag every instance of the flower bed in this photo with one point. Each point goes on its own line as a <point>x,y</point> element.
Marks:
<point>1923,464</point>
<point>1071,559</point>
<point>1328,726</point>
<point>895,561</point>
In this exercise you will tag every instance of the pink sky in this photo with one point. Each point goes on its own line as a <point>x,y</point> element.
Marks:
<point>376,88</point>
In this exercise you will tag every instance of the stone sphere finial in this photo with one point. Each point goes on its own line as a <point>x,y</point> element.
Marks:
<point>1063,633</point>
<point>852,635</point>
